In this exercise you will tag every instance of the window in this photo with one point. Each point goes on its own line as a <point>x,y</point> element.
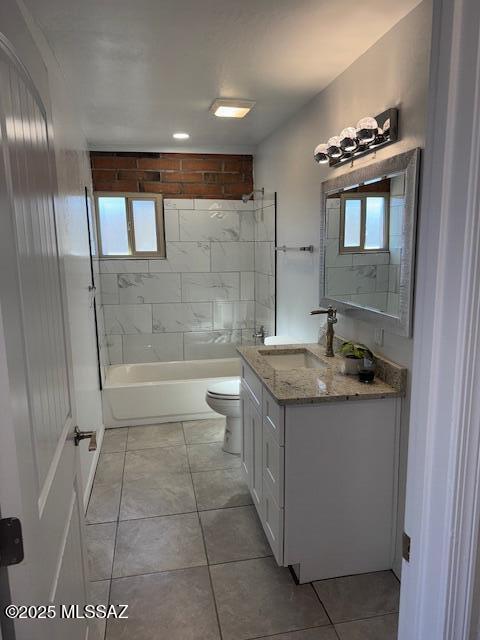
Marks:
<point>130,225</point>
<point>363,222</point>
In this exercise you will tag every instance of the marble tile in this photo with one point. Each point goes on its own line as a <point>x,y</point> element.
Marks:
<point>239,587</point>
<point>233,534</point>
<point>232,256</point>
<point>233,315</point>
<point>265,316</point>
<point>183,257</point>
<point>265,224</point>
<point>350,280</point>
<point>203,287</point>
<point>360,596</point>
<point>397,185</point>
<point>209,225</point>
<point>164,495</point>
<point>156,347</point>
<point>149,287</point>
<point>104,500</point>
<point>247,337</point>
<point>332,256</point>
<point>212,344</point>
<point>247,285</point>
<point>132,265</point>
<point>220,489</point>
<point>158,544</point>
<point>148,463</point>
<point>182,316</point>
<point>333,223</point>
<point>100,542</point>
<point>174,605</point>
<point>114,349</point>
<point>178,203</point>
<point>172,226</point>
<point>114,440</point>
<point>204,431</point>
<point>397,217</point>
<point>381,628</point>
<point>128,318</point>
<point>360,259</point>
<point>109,288</point>
<point>247,226</point>
<point>222,205</point>
<point>332,203</point>
<point>168,434</point>
<point>318,633</point>
<point>383,274</point>
<point>265,258</point>
<point>98,595</point>
<point>393,304</point>
<point>209,457</point>
<point>265,290</point>
<point>394,278</point>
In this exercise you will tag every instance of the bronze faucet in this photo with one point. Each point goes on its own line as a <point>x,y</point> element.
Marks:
<point>331,320</point>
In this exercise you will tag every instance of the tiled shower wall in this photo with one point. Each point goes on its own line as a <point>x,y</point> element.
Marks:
<point>368,279</point>
<point>265,218</point>
<point>201,301</point>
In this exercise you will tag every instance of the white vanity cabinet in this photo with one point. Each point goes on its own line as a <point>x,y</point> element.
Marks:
<point>323,478</point>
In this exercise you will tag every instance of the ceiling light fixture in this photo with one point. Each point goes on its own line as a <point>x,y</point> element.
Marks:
<point>181,135</point>
<point>231,108</point>
<point>353,142</point>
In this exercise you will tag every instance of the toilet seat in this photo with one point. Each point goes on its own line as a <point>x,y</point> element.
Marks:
<point>226,390</point>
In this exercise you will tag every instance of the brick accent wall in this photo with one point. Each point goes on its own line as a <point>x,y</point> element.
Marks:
<point>176,175</point>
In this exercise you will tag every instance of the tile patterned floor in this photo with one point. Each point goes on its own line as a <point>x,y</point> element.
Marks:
<point>172,531</point>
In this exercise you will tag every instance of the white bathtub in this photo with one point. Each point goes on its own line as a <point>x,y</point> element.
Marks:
<point>162,391</point>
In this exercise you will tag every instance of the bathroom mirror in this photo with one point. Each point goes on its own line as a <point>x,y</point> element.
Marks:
<point>368,249</point>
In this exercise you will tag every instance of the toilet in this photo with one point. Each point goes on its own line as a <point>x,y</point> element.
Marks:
<point>224,398</point>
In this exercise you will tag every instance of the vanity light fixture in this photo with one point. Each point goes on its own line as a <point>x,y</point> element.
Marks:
<point>231,108</point>
<point>181,135</point>
<point>354,142</point>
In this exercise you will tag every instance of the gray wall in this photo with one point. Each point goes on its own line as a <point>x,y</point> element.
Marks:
<point>394,72</point>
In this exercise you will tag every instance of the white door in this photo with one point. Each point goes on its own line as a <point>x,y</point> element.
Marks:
<point>39,479</point>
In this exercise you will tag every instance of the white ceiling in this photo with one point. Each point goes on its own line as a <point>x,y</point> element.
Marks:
<point>143,69</point>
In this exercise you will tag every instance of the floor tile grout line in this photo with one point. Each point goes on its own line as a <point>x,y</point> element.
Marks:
<point>208,569</point>
<point>117,524</point>
<point>376,615</point>
<point>323,605</point>
<point>236,506</point>
<point>281,633</point>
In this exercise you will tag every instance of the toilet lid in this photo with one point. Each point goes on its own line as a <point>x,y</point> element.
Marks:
<point>227,388</point>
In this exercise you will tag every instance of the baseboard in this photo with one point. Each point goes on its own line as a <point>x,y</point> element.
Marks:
<point>93,467</point>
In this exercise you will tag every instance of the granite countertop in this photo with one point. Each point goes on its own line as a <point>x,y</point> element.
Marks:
<point>303,386</point>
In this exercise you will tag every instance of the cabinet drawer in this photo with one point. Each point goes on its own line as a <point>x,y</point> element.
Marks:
<point>273,466</point>
<point>273,525</point>
<point>273,417</point>
<point>252,384</point>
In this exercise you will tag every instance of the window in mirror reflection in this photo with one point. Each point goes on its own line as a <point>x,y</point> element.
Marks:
<point>363,223</point>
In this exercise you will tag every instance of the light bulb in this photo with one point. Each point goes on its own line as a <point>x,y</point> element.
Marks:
<point>367,130</point>
<point>386,128</point>
<point>348,139</point>
<point>320,154</point>
<point>334,149</point>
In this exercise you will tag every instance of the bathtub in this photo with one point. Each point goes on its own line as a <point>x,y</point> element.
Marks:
<point>153,392</point>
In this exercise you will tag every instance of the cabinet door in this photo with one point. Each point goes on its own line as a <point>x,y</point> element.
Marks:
<point>257,468</point>
<point>246,453</point>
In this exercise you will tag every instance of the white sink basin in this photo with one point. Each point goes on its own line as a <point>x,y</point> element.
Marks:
<point>294,360</point>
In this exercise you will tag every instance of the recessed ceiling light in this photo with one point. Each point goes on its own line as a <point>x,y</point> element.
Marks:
<point>231,108</point>
<point>181,136</point>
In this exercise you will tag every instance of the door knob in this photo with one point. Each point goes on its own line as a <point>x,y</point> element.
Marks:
<point>83,435</point>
